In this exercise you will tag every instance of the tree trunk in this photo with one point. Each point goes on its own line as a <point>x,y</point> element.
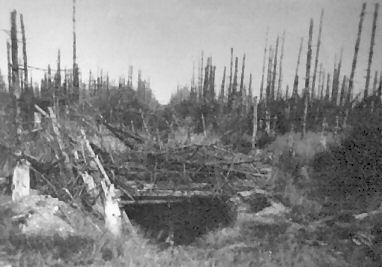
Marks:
<point>354,63</point>
<point>371,49</point>
<point>254,122</point>
<point>263,70</point>
<point>317,53</point>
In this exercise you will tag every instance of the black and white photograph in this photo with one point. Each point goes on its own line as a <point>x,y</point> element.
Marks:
<point>190,133</point>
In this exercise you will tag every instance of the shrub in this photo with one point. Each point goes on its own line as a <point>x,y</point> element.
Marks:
<point>352,171</point>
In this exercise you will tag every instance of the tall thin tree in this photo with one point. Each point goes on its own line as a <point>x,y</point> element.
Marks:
<point>263,70</point>
<point>356,48</point>
<point>371,50</point>
<point>279,85</point>
<point>317,53</point>
<point>25,61</point>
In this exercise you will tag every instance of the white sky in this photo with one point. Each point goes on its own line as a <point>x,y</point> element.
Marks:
<point>165,37</point>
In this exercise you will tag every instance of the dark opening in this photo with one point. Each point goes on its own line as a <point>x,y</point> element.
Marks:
<point>186,219</point>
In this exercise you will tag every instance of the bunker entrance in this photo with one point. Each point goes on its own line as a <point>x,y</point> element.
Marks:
<point>180,219</point>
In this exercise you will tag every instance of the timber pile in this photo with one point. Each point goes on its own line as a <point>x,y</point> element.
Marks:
<point>61,163</point>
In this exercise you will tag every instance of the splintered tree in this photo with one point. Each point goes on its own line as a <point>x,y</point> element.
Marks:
<point>9,67</point>
<point>234,85</point>
<point>221,97</point>
<point>241,93</point>
<point>309,58</point>
<point>229,94</point>
<point>371,51</point>
<point>336,79</point>
<point>307,80</point>
<point>201,76</point>
<point>317,53</point>
<point>327,94</point>
<point>274,70</point>
<point>76,88</point>
<point>295,82</point>
<point>24,52</point>
<point>269,76</point>
<point>279,86</point>
<point>15,88</point>
<point>263,70</point>
<point>356,48</point>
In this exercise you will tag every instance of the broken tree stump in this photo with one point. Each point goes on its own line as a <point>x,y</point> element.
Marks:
<point>21,180</point>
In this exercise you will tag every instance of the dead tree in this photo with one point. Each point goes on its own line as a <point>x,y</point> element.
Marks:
<point>230,79</point>
<point>222,87</point>
<point>58,72</point>
<point>201,76</point>
<point>309,58</point>
<point>336,79</point>
<point>342,96</point>
<point>15,88</point>
<point>206,82</point>
<point>250,87</point>
<point>287,92</point>
<point>380,86</point>
<point>263,70</point>
<point>274,70</point>
<point>193,94</point>
<point>241,93</point>
<point>24,52</point>
<point>323,74</point>
<point>319,81</point>
<point>371,49</point>
<point>254,123</point>
<point>9,67</point>
<point>76,88</point>
<point>212,83</point>
<point>327,94</point>
<point>334,75</point>
<point>295,83</point>
<point>375,83</point>
<point>279,89</point>
<point>317,53</point>
<point>269,76</point>
<point>307,80</point>
<point>356,48</point>
<point>234,85</point>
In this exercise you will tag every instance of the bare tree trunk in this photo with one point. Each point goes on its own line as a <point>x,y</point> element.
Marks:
<point>274,70</point>
<point>269,76</point>
<point>279,86</point>
<point>250,94</point>
<point>327,94</point>
<point>222,87</point>
<point>76,92</point>
<point>15,65</point>
<point>309,59</point>
<point>342,97</point>
<point>254,122</point>
<point>229,95</point>
<point>375,83</point>
<point>242,80</point>
<point>323,75</point>
<point>295,83</point>
<point>380,86</point>
<point>307,80</point>
<point>234,85</point>
<point>371,49</point>
<point>263,70</point>
<point>9,67</point>
<point>354,64</point>
<point>319,81</point>
<point>317,53</point>
<point>24,52</point>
